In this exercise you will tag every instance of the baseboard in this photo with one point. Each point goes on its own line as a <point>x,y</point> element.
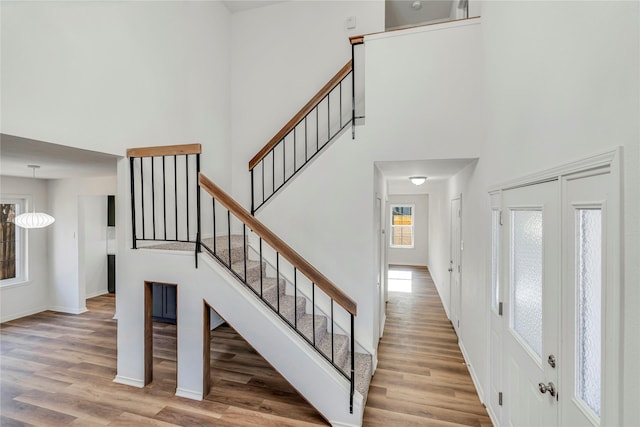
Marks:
<point>69,310</point>
<point>128,381</point>
<point>189,394</point>
<point>97,293</point>
<point>22,314</point>
<point>472,372</point>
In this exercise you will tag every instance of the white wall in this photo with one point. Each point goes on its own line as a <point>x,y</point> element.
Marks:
<point>310,213</point>
<point>281,56</point>
<point>92,245</point>
<point>32,296</point>
<point>563,80</point>
<point>107,76</point>
<point>417,255</point>
<point>67,292</point>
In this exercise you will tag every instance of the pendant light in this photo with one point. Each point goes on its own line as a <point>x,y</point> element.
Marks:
<point>33,219</point>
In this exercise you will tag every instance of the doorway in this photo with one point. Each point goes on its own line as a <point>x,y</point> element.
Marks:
<point>160,334</point>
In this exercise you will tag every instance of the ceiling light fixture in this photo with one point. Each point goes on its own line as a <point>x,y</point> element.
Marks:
<point>416,5</point>
<point>418,180</point>
<point>33,219</point>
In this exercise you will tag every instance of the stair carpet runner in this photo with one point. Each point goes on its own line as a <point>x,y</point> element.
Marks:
<point>289,306</point>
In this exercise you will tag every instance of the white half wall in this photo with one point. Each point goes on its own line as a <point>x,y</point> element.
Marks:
<point>32,296</point>
<point>419,254</point>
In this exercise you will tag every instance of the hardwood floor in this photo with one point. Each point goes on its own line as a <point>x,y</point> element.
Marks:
<point>57,370</point>
<point>421,378</point>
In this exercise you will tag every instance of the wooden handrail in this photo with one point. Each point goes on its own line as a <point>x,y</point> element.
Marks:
<point>276,243</point>
<point>309,106</point>
<point>164,150</point>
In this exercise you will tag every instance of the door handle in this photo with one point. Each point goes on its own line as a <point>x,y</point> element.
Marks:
<point>552,361</point>
<point>547,388</point>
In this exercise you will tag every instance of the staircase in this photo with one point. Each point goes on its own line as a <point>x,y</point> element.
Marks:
<point>167,213</point>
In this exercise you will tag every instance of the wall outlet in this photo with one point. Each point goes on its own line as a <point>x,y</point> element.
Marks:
<point>350,23</point>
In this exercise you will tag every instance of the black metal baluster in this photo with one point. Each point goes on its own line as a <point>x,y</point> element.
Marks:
<point>261,282</point>
<point>273,171</point>
<point>253,209</point>
<point>353,367</point>
<point>229,235</point>
<point>278,281</point>
<point>353,93</point>
<point>313,312</point>
<point>328,117</point>
<point>262,165</point>
<point>295,297</point>
<point>317,130</point>
<point>133,203</point>
<point>153,197</point>
<point>164,197</point>
<point>294,151</point>
<point>198,199</point>
<point>244,248</point>
<point>340,101</point>
<point>284,160</point>
<point>175,189</point>
<point>186,191</point>
<point>306,141</point>
<point>142,196</point>
<point>331,330</point>
<point>213,204</point>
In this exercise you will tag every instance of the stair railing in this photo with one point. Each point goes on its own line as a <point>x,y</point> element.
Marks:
<point>165,206</point>
<point>229,218</point>
<point>323,118</point>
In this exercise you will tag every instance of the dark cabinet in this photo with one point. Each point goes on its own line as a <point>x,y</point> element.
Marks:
<point>111,274</point>
<point>165,303</point>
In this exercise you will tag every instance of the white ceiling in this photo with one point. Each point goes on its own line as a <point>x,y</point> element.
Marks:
<point>55,161</point>
<point>397,173</point>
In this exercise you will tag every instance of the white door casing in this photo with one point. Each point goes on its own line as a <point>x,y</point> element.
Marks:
<point>455,264</point>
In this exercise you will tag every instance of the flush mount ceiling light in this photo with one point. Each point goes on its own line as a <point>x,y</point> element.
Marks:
<point>418,180</point>
<point>416,5</point>
<point>33,219</point>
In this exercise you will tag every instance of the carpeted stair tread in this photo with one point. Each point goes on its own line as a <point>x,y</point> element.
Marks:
<point>341,346</point>
<point>269,287</point>
<point>305,325</point>
<point>363,372</point>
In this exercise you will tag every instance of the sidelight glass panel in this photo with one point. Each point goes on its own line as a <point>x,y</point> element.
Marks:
<point>495,257</point>
<point>526,277</point>
<point>589,307</point>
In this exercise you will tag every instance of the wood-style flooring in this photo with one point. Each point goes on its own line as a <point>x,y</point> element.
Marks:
<point>57,370</point>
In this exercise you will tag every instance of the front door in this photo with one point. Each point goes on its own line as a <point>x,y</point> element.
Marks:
<point>532,271</point>
<point>556,262</point>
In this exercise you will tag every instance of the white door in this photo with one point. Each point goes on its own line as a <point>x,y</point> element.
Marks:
<point>531,269</point>
<point>455,268</point>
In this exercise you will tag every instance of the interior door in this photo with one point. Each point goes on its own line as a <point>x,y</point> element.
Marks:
<point>531,269</point>
<point>455,268</point>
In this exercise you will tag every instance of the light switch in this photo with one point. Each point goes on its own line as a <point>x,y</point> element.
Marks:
<point>351,23</point>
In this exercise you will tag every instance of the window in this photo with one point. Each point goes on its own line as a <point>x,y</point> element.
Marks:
<point>12,260</point>
<point>402,220</point>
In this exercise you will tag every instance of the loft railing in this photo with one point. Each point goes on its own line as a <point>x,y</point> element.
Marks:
<point>165,206</point>
<point>233,227</point>
<point>323,118</point>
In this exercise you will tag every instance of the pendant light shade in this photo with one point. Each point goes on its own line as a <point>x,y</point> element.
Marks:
<point>33,219</point>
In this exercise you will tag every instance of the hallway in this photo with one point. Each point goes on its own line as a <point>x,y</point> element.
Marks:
<point>421,377</point>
